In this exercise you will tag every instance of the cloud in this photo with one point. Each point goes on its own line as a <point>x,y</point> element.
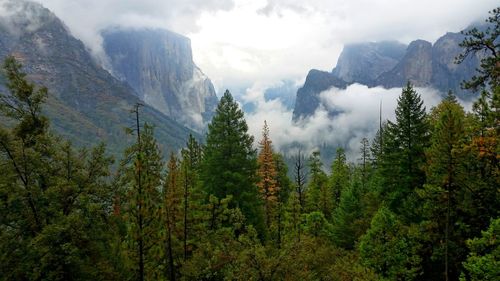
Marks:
<point>239,42</point>
<point>359,118</point>
<point>282,39</point>
<point>86,18</point>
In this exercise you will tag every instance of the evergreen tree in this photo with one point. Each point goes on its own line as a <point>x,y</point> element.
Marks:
<point>403,156</point>
<point>443,192</point>
<point>54,200</point>
<point>192,195</point>
<point>347,223</point>
<point>140,178</point>
<point>284,192</point>
<point>339,179</point>
<point>486,42</point>
<point>390,248</point>
<point>229,162</point>
<point>483,262</point>
<point>172,215</point>
<point>365,159</point>
<point>319,194</point>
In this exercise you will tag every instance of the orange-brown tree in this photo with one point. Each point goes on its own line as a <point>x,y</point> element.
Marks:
<point>267,184</point>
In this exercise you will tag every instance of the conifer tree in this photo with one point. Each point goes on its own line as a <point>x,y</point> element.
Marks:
<point>339,179</point>
<point>284,191</point>
<point>140,177</point>
<point>319,195</point>
<point>229,165</point>
<point>53,198</point>
<point>267,184</point>
<point>403,156</point>
<point>172,214</point>
<point>192,197</point>
<point>443,191</point>
<point>300,177</point>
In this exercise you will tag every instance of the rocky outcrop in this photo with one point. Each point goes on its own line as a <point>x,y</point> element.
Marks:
<point>86,103</point>
<point>158,65</point>
<point>308,99</point>
<point>447,75</point>
<point>415,66</point>
<point>383,64</point>
<point>364,62</point>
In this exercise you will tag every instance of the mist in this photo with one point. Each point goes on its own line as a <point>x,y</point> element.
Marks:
<point>359,108</point>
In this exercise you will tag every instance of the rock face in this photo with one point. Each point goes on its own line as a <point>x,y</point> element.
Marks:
<point>447,75</point>
<point>86,103</point>
<point>389,65</point>
<point>158,65</point>
<point>308,98</point>
<point>415,66</point>
<point>364,62</point>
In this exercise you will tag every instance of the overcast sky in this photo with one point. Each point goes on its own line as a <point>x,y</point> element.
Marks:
<point>248,46</point>
<point>238,43</point>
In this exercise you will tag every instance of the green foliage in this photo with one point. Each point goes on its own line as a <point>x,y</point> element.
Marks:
<point>483,262</point>
<point>443,194</point>
<point>54,200</point>
<point>484,41</point>
<point>349,219</point>
<point>390,248</point>
<point>229,161</point>
<point>140,181</point>
<point>319,195</point>
<point>339,178</point>
<point>403,155</point>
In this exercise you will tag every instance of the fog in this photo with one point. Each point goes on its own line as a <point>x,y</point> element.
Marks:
<point>359,118</point>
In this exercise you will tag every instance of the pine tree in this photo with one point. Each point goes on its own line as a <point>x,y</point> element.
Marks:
<point>267,176</point>
<point>229,165</point>
<point>365,159</point>
<point>140,177</point>
<point>53,198</point>
<point>284,192</point>
<point>192,195</point>
<point>339,178</point>
<point>348,224</point>
<point>485,42</point>
<point>403,154</point>
<point>443,189</point>
<point>172,214</point>
<point>319,195</point>
<point>391,248</point>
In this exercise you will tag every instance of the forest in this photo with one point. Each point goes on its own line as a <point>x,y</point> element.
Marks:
<point>420,203</point>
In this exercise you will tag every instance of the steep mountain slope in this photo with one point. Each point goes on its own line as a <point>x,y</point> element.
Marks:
<point>159,65</point>
<point>415,66</point>
<point>308,98</point>
<point>364,62</point>
<point>384,64</point>
<point>86,103</point>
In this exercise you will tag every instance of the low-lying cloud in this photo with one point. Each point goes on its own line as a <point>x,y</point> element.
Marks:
<point>359,118</point>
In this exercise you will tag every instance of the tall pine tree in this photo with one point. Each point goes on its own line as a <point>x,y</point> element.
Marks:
<point>403,155</point>
<point>229,165</point>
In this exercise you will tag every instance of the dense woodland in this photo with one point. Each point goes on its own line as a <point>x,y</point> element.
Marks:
<point>421,203</point>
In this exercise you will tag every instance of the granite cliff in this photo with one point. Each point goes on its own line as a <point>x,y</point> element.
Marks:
<point>390,65</point>
<point>158,65</point>
<point>86,103</point>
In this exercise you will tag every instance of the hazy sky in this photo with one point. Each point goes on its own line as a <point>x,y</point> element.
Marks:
<point>251,45</point>
<point>238,43</point>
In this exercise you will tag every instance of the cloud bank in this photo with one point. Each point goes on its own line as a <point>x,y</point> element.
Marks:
<point>240,42</point>
<point>359,118</point>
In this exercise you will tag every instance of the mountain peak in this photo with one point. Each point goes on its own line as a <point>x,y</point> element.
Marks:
<point>158,65</point>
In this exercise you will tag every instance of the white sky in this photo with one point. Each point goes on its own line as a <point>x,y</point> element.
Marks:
<point>248,46</point>
<point>239,43</point>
